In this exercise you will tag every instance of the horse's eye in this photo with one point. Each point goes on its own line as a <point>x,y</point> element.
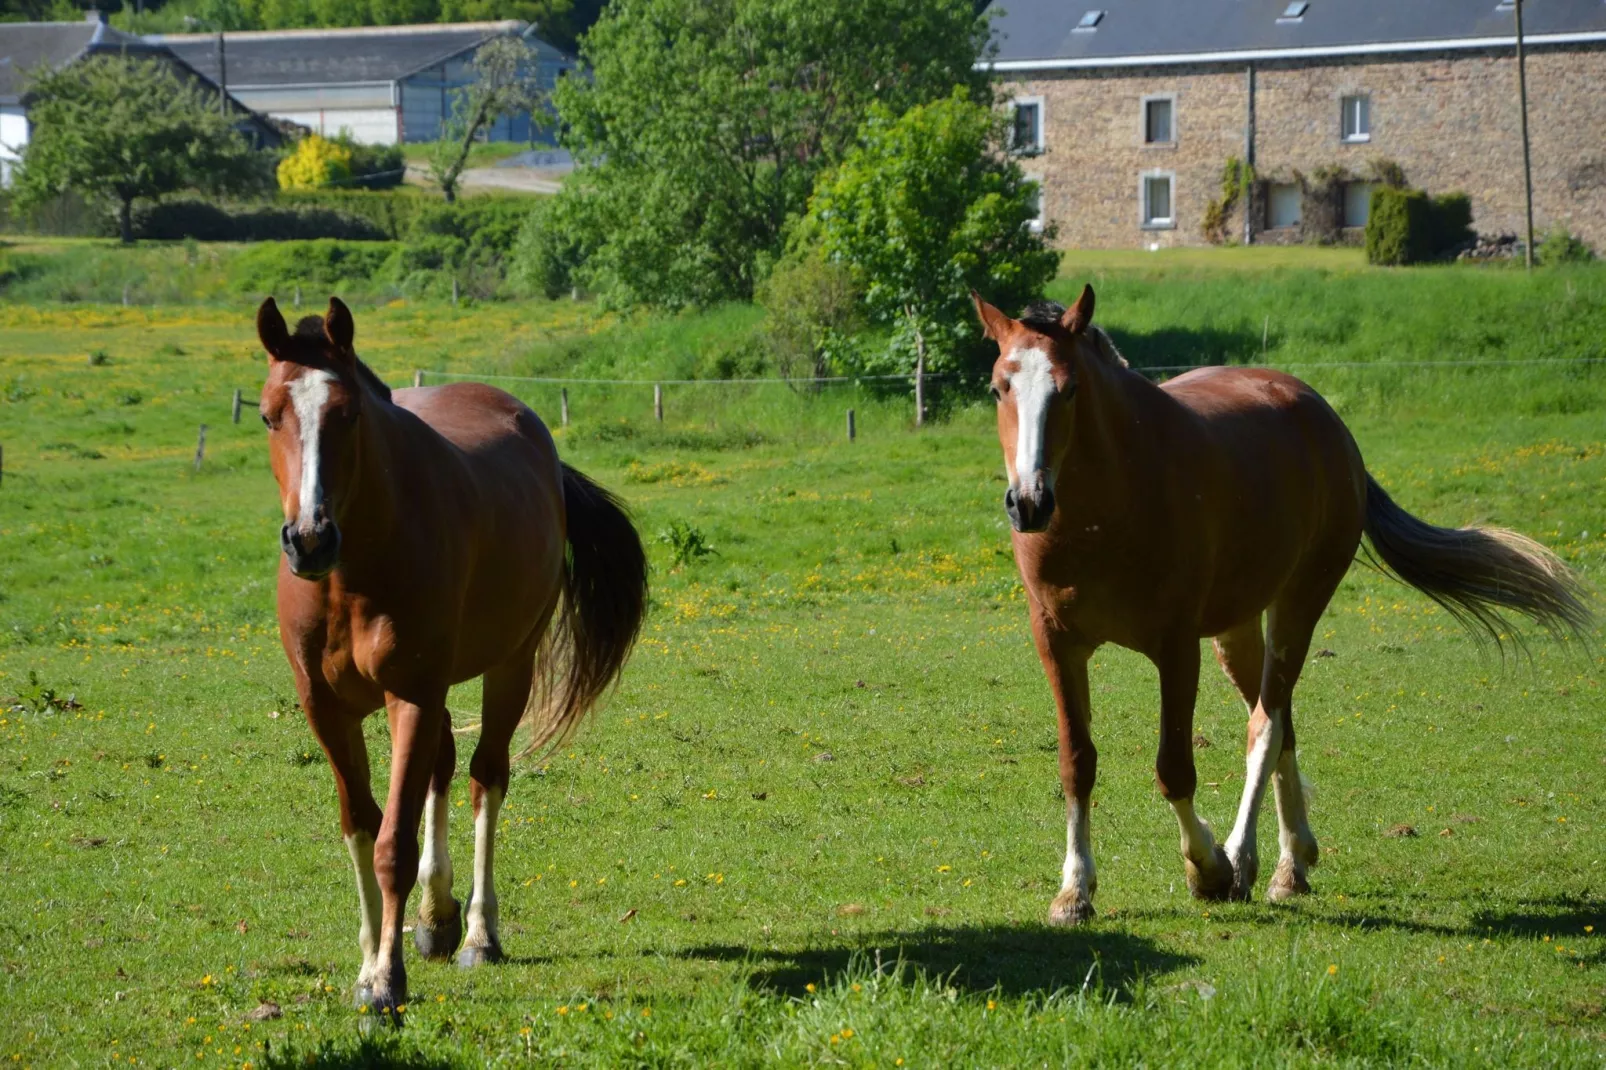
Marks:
<point>993,390</point>
<point>266,422</point>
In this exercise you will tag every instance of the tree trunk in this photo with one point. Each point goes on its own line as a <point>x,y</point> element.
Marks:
<point>125,220</point>
<point>920,367</point>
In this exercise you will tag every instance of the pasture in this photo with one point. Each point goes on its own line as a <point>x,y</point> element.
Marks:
<point>820,822</point>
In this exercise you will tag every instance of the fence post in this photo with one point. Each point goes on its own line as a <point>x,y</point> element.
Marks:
<point>125,295</point>
<point>200,448</point>
<point>563,395</point>
<point>454,291</point>
<point>298,295</point>
<point>852,431</point>
<point>658,401</point>
<point>236,406</point>
<point>418,377</point>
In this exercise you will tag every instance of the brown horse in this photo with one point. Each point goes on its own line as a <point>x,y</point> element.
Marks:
<point>1153,516</point>
<point>431,536</point>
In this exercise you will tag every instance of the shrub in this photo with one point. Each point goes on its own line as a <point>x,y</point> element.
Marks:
<point>553,245</point>
<point>812,311</point>
<point>1406,226</point>
<point>274,266</point>
<point>203,220</point>
<point>315,162</point>
<point>374,166</point>
<point>1452,222</point>
<point>1561,247</point>
<point>469,240</point>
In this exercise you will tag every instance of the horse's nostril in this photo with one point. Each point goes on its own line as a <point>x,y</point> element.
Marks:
<point>1011,499</point>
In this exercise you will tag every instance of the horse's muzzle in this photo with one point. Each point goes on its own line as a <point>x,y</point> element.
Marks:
<point>312,554</point>
<point>1029,514</point>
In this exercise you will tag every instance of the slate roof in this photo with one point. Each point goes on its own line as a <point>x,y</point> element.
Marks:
<point>1044,33</point>
<point>27,45</point>
<point>368,54</point>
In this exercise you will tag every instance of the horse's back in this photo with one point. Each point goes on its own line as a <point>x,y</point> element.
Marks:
<point>475,417</point>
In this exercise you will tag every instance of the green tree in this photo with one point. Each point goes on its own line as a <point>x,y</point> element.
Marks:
<point>504,84</point>
<point>927,208</point>
<point>707,122</point>
<point>119,129</point>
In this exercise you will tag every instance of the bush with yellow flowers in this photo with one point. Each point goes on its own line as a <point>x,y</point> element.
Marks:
<point>315,163</point>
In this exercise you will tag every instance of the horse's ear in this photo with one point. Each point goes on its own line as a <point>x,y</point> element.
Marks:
<point>1079,315</point>
<point>275,336</point>
<point>338,326</point>
<point>994,323</point>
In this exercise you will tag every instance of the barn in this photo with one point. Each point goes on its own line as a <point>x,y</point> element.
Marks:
<point>29,46</point>
<point>380,84</point>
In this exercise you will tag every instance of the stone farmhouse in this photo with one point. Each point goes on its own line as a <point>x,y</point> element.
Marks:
<point>380,84</point>
<point>1127,112</point>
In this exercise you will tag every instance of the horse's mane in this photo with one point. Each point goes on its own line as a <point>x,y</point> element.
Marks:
<point>1044,316</point>
<point>310,328</point>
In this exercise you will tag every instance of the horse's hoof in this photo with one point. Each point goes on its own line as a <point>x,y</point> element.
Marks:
<point>1070,909</point>
<point>1216,883</point>
<point>1286,883</point>
<point>439,942</point>
<point>362,997</point>
<point>481,955</point>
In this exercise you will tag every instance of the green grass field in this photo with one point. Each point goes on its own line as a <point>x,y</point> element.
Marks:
<point>825,795</point>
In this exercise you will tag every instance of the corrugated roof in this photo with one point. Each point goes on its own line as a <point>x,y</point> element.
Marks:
<point>25,46</point>
<point>335,56</point>
<point>1033,32</point>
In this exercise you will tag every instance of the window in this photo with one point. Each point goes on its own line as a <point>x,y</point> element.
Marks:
<point>1035,184</point>
<point>1027,135</point>
<point>1357,203</point>
<point>1090,22</point>
<point>1294,12</point>
<point>1356,123</point>
<point>1283,204</point>
<point>1156,196</point>
<point>1158,128</point>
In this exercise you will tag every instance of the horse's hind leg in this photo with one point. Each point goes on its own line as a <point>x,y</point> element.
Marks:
<point>507,692</point>
<point>1289,624</point>
<point>440,916</point>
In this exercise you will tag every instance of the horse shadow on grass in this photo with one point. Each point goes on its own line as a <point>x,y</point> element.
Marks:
<point>1016,960</point>
<point>386,1052</point>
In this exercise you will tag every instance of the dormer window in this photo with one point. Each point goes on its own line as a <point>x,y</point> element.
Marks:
<point>1090,22</point>
<point>1294,12</point>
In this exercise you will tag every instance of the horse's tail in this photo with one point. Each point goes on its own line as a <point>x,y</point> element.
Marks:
<point>604,600</point>
<point>1475,573</point>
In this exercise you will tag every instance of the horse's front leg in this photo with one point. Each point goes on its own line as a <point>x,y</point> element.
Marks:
<point>416,724</point>
<point>1208,870</point>
<point>1065,663</point>
<point>339,731</point>
<point>440,916</point>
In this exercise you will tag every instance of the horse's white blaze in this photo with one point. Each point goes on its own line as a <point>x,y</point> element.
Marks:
<point>309,393</point>
<point>1078,873</point>
<point>482,914</point>
<point>1197,842</point>
<point>435,865</point>
<point>1032,384</point>
<point>361,846</point>
<point>1262,758</point>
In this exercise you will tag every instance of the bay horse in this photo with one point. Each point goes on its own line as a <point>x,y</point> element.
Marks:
<point>1155,516</point>
<point>431,536</point>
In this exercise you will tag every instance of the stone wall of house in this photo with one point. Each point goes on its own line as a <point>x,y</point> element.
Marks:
<point>1449,119</point>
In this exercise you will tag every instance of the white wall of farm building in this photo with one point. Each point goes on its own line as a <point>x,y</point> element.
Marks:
<point>13,136</point>
<point>366,112</point>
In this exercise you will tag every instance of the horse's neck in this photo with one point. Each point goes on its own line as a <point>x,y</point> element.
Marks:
<point>376,493</point>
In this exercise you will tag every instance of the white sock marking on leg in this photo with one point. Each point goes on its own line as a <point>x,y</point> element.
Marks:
<point>1198,844</point>
<point>1293,822</point>
<point>361,847</point>
<point>435,865</point>
<point>1257,769</point>
<point>482,915</point>
<point>1078,872</point>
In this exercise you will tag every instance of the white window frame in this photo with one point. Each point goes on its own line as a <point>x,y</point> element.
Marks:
<point>1359,138</point>
<point>1037,146</point>
<point>1036,225</point>
<point>1143,121</point>
<point>1145,220</point>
